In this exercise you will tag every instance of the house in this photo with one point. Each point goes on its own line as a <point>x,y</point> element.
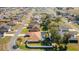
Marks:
<point>34,35</point>
<point>73,38</point>
<point>63,29</point>
<point>1,34</point>
<point>12,23</point>
<point>35,22</point>
<point>4,21</point>
<point>34,28</point>
<point>37,18</point>
<point>4,28</point>
<point>77,37</point>
<point>73,33</point>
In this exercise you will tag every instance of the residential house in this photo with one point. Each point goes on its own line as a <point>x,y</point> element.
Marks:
<point>63,29</point>
<point>73,38</point>
<point>4,28</point>
<point>34,28</point>
<point>34,35</point>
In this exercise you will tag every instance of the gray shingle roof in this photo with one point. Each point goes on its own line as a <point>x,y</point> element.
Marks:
<point>4,28</point>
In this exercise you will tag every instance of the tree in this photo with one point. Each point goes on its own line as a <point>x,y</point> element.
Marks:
<point>45,22</point>
<point>58,19</point>
<point>54,30</point>
<point>47,42</point>
<point>19,41</point>
<point>66,38</point>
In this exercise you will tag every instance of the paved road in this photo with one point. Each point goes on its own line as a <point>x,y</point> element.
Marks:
<point>13,39</point>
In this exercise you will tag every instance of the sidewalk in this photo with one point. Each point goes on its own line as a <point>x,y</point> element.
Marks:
<point>13,34</point>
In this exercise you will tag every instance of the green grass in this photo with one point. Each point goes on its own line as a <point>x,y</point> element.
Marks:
<point>3,43</point>
<point>5,40</point>
<point>26,49</point>
<point>25,30</point>
<point>23,48</point>
<point>36,44</point>
<point>73,47</point>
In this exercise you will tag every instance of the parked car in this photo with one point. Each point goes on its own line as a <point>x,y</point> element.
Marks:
<point>15,47</point>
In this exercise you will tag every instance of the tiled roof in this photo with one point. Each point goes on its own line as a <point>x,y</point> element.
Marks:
<point>34,35</point>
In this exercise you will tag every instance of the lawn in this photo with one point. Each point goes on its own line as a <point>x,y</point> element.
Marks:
<point>5,39</point>
<point>3,43</point>
<point>24,31</point>
<point>26,49</point>
<point>73,47</point>
<point>22,45</point>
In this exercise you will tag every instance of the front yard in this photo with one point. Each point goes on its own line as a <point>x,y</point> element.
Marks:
<point>3,43</point>
<point>73,47</point>
<point>24,31</point>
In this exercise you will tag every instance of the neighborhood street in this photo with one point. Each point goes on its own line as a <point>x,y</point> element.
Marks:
<point>14,38</point>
